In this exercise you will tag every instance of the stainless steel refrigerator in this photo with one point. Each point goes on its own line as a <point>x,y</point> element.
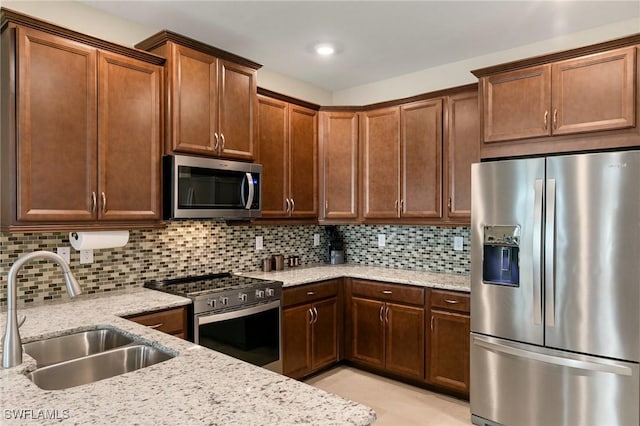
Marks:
<point>555,300</point>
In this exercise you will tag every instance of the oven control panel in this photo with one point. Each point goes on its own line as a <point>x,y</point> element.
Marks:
<point>234,298</point>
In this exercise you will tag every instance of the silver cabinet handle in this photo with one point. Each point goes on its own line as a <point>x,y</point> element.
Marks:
<point>311,293</point>
<point>216,143</point>
<point>449,204</point>
<point>381,313</point>
<point>156,325</point>
<point>310,315</point>
<point>555,118</point>
<point>386,315</point>
<point>94,202</point>
<point>326,205</point>
<point>402,205</point>
<point>546,119</point>
<point>293,205</point>
<point>386,291</point>
<point>451,301</point>
<point>396,205</point>
<point>549,256</point>
<point>537,249</point>
<point>432,318</point>
<point>315,311</point>
<point>104,202</point>
<point>221,141</point>
<point>288,205</point>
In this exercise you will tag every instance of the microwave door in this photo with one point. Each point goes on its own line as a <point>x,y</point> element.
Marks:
<point>247,182</point>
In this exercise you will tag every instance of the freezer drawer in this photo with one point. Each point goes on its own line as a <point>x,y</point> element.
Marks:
<point>519,384</point>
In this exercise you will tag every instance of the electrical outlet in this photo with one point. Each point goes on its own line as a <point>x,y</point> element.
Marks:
<point>316,240</point>
<point>381,240</point>
<point>65,253</point>
<point>86,256</point>
<point>457,243</point>
<point>259,242</point>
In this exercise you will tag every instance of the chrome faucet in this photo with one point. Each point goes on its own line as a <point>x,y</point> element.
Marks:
<point>12,345</point>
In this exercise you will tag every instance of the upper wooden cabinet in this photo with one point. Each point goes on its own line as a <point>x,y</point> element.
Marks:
<point>80,124</point>
<point>211,98</point>
<point>402,161</point>
<point>577,100</point>
<point>338,165</point>
<point>289,155</point>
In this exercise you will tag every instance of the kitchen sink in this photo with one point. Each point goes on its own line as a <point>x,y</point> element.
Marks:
<point>99,366</point>
<point>77,345</point>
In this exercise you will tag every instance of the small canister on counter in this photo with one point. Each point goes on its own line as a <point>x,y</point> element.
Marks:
<point>266,264</point>
<point>296,260</point>
<point>278,262</point>
<point>292,261</point>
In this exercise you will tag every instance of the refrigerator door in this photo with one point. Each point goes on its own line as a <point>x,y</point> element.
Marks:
<point>505,195</point>
<point>592,259</point>
<point>525,385</point>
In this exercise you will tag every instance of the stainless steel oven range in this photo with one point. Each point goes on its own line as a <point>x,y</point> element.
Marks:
<point>235,315</point>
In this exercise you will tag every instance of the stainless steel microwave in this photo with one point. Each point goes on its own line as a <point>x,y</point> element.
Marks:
<point>199,187</point>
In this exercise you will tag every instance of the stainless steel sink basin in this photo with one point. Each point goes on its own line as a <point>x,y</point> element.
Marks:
<point>77,345</point>
<point>96,367</point>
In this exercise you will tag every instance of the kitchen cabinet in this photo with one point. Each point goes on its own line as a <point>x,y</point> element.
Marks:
<point>582,99</point>
<point>386,327</point>
<point>211,98</point>
<point>311,323</point>
<point>289,155</point>
<point>171,321</point>
<point>448,342</point>
<point>87,125</point>
<point>402,161</point>
<point>338,165</point>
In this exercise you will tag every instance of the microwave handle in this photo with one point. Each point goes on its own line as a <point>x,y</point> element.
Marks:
<point>249,178</point>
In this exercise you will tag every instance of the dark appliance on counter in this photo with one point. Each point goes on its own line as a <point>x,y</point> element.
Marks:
<point>198,187</point>
<point>336,245</point>
<point>235,315</point>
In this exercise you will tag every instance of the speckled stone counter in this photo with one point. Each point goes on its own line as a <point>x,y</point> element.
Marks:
<point>308,274</point>
<point>198,386</point>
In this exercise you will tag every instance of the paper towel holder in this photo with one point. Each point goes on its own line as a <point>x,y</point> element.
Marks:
<point>98,239</point>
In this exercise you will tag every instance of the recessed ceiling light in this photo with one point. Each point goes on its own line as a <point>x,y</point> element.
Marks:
<point>325,49</point>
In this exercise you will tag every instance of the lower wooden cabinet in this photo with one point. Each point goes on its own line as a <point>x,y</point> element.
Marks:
<point>171,321</point>
<point>448,343</point>
<point>387,327</point>
<point>310,328</point>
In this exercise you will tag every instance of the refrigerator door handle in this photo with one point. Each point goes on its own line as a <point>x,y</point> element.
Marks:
<point>537,253</point>
<point>549,258</point>
<point>610,367</point>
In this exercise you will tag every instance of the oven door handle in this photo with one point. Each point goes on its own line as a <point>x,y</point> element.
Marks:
<point>211,318</point>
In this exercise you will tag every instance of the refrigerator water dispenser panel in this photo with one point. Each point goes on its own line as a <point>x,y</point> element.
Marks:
<point>500,260</point>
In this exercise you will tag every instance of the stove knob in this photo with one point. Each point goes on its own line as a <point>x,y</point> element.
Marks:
<point>259,294</point>
<point>242,297</point>
<point>211,302</point>
<point>224,300</point>
<point>270,292</point>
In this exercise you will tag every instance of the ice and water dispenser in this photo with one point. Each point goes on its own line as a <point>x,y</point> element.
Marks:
<point>500,261</point>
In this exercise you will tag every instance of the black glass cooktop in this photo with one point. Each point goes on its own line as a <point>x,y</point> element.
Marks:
<point>194,286</point>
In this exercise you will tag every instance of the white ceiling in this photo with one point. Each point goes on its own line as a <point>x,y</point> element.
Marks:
<point>376,39</point>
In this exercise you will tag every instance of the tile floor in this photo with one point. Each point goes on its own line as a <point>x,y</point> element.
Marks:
<point>395,403</point>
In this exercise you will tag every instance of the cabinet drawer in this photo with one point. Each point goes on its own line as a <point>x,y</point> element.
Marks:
<point>388,292</point>
<point>450,300</point>
<point>309,292</point>
<point>171,321</point>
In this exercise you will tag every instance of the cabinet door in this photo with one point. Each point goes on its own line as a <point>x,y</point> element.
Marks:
<point>381,163</point>
<point>596,92</point>
<point>194,103</point>
<point>405,340</point>
<point>56,106</point>
<point>296,341</point>
<point>367,321</point>
<point>129,138</point>
<point>516,104</point>
<point>449,351</point>
<point>303,154</point>
<point>274,156</point>
<point>237,110</point>
<point>324,347</point>
<point>421,152</point>
<point>339,146</point>
<point>462,148</point>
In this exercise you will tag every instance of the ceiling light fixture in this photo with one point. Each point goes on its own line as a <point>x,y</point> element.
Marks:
<point>325,49</point>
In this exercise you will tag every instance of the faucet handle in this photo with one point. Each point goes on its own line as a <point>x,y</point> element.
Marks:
<point>22,320</point>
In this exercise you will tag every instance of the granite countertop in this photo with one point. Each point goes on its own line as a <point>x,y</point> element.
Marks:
<point>198,386</point>
<point>308,274</point>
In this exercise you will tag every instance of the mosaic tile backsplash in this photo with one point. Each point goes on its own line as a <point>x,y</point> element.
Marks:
<point>200,247</point>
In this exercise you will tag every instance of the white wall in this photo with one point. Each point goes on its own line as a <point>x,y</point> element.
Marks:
<point>458,73</point>
<point>286,85</point>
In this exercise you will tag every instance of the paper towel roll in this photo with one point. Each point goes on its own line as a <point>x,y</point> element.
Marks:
<point>98,239</point>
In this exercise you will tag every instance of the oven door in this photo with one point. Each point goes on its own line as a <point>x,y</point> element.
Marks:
<point>251,334</point>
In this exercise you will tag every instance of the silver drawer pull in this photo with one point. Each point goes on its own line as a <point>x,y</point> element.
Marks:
<point>386,292</point>
<point>453,302</point>
<point>311,293</point>
<point>156,325</point>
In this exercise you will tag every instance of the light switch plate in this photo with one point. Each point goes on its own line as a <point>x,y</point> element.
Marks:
<point>259,242</point>
<point>86,256</point>
<point>457,243</point>
<point>65,253</point>
<point>381,240</point>
<point>316,240</point>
